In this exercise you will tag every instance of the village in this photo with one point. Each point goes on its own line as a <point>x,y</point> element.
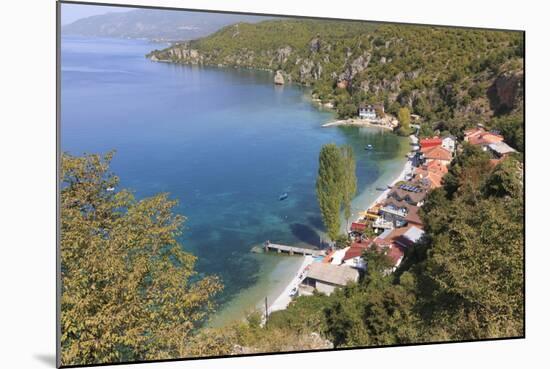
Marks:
<point>392,224</point>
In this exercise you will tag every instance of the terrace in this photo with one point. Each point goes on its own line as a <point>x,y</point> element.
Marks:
<point>400,212</point>
<point>382,224</point>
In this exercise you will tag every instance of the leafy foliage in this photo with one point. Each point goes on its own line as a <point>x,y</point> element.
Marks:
<point>129,291</point>
<point>463,281</point>
<point>336,185</point>
<point>404,117</point>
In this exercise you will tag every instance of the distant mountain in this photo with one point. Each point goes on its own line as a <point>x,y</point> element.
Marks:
<point>166,25</point>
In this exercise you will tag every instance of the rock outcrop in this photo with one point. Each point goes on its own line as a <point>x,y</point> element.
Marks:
<point>279,79</point>
<point>315,45</point>
<point>358,65</point>
<point>283,53</point>
<point>309,71</point>
<point>506,90</point>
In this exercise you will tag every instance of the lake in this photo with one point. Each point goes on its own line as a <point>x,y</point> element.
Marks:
<point>225,143</point>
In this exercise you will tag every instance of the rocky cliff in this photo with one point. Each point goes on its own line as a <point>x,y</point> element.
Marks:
<point>440,73</point>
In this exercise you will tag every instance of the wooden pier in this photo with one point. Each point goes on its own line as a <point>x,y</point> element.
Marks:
<point>291,250</point>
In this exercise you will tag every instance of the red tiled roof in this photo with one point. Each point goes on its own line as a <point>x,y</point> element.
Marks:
<point>353,252</point>
<point>437,167</point>
<point>485,138</point>
<point>395,253</point>
<point>472,132</point>
<point>358,227</point>
<point>392,250</point>
<point>437,153</point>
<point>413,217</point>
<point>430,142</point>
<point>434,176</point>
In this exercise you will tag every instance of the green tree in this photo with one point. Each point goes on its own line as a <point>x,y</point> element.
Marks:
<point>129,292</point>
<point>467,172</point>
<point>470,265</point>
<point>404,117</point>
<point>474,271</point>
<point>336,185</point>
<point>349,181</point>
<point>464,280</point>
<point>328,188</point>
<point>505,180</point>
<point>374,312</point>
<point>342,241</point>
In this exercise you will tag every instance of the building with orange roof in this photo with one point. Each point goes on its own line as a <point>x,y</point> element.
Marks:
<point>427,143</point>
<point>479,136</point>
<point>437,153</point>
<point>485,138</point>
<point>433,179</point>
<point>394,242</point>
<point>469,133</point>
<point>437,167</point>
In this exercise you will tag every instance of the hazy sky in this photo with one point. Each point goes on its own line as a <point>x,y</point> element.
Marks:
<point>72,12</point>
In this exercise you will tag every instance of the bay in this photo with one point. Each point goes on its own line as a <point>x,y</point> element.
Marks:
<point>225,143</point>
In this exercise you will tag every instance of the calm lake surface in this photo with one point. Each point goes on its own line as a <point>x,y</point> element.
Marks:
<point>225,143</point>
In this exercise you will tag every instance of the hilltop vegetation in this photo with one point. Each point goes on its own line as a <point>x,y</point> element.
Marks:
<point>452,78</point>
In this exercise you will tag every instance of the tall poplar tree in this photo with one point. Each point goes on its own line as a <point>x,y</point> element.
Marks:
<point>329,190</point>
<point>336,185</point>
<point>349,180</point>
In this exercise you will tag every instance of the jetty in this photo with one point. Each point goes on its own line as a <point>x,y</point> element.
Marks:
<point>291,250</point>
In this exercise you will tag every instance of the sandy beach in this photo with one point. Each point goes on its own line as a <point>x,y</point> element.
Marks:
<point>282,301</point>
<point>355,122</point>
<point>407,169</point>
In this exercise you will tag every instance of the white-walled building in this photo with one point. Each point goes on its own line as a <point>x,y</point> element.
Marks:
<point>449,143</point>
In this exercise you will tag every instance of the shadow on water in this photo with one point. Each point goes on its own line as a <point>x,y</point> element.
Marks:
<point>316,222</point>
<point>305,233</point>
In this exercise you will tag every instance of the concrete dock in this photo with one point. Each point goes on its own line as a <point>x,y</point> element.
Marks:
<point>291,250</point>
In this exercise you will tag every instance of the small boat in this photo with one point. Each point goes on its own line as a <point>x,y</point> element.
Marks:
<point>283,196</point>
<point>110,189</point>
<point>381,189</point>
<point>369,147</point>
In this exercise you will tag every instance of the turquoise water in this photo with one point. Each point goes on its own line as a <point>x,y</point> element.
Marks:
<point>224,142</point>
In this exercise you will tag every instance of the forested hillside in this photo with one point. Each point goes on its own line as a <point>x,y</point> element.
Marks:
<point>452,78</point>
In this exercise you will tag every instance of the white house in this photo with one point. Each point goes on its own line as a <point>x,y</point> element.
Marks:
<point>367,112</point>
<point>449,143</point>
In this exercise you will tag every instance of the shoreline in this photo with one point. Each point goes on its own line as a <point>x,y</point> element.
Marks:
<point>407,169</point>
<point>284,299</point>
<point>356,122</point>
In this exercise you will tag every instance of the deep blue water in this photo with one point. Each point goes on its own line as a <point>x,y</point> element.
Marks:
<point>224,142</point>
